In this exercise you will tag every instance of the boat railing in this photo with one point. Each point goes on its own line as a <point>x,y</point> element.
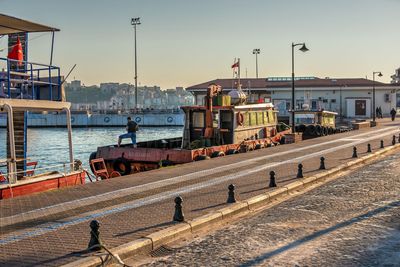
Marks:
<point>29,80</point>
<point>62,168</point>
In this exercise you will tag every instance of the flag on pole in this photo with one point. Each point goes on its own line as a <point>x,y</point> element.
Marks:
<point>235,65</point>
<point>16,52</point>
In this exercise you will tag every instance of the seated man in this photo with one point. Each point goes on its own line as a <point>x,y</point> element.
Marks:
<point>131,128</point>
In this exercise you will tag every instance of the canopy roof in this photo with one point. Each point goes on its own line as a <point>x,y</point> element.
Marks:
<point>10,25</point>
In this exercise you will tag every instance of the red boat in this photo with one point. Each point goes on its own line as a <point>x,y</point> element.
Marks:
<point>217,129</point>
<point>24,87</point>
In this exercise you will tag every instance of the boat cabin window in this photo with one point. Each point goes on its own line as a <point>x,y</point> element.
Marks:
<point>304,118</point>
<point>271,116</point>
<point>226,119</point>
<point>260,118</point>
<point>198,119</point>
<point>215,119</point>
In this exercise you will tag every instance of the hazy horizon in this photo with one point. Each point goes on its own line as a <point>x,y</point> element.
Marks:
<point>183,43</point>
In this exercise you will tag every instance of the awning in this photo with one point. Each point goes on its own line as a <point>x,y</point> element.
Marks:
<point>10,25</point>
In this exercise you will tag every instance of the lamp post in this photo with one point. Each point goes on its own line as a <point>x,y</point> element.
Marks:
<point>303,48</point>
<point>134,22</point>
<point>373,93</point>
<point>256,51</point>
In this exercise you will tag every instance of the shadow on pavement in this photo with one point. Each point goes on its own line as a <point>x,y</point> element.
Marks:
<point>258,260</point>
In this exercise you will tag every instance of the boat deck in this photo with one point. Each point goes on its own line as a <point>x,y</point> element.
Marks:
<point>45,229</point>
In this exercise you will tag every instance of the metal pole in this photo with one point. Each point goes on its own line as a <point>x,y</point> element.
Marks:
<point>136,90</point>
<point>12,162</point>
<point>52,45</point>
<point>340,108</point>
<point>293,124</point>
<point>256,66</point>
<point>373,97</point>
<point>71,155</point>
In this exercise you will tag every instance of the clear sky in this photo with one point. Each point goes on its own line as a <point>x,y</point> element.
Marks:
<point>185,42</point>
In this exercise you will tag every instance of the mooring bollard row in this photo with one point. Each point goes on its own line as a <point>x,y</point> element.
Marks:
<point>300,171</point>
<point>355,152</point>
<point>95,242</point>
<point>369,148</point>
<point>231,194</point>
<point>322,163</point>
<point>178,215</point>
<point>272,182</point>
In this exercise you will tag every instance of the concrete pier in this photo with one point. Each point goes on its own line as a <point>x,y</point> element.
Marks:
<point>101,120</point>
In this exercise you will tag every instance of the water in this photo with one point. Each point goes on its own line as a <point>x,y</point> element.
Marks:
<point>49,146</point>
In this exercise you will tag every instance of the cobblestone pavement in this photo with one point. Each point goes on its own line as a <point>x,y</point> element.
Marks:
<point>43,230</point>
<point>352,221</point>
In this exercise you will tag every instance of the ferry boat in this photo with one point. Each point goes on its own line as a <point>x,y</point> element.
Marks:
<point>30,87</point>
<point>224,125</point>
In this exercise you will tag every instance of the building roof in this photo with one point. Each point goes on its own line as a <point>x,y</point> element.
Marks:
<point>9,25</point>
<point>287,83</point>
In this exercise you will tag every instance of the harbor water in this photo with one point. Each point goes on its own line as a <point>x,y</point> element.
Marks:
<point>49,146</point>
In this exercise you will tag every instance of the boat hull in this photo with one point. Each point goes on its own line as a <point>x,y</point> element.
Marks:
<point>41,184</point>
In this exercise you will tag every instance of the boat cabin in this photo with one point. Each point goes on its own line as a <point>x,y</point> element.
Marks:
<point>315,117</point>
<point>230,124</point>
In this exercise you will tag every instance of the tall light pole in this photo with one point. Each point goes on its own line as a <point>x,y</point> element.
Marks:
<point>303,48</point>
<point>256,51</point>
<point>373,93</point>
<point>134,22</point>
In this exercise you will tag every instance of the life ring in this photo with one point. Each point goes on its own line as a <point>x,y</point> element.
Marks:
<point>273,132</point>
<point>138,119</point>
<point>239,118</point>
<point>122,165</point>
<point>170,119</point>
<point>107,119</point>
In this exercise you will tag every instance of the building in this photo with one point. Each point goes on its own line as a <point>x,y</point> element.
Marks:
<point>349,97</point>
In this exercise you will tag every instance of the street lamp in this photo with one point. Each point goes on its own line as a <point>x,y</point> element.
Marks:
<point>373,93</point>
<point>303,48</point>
<point>256,51</point>
<point>134,22</point>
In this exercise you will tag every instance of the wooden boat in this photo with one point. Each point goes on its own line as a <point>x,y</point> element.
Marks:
<point>217,129</point>
<point>30,87</point>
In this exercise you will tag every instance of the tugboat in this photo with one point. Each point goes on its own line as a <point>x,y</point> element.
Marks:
<point>30,87</point>
<point>225,125</point>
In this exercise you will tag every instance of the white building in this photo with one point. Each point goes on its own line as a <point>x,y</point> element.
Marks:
<point>350,97</point>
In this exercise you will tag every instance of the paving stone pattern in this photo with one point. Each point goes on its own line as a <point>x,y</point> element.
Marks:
<point>53,246</point>
<point>352,221</point>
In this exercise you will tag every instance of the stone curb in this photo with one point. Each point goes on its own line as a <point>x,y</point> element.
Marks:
<point>154,240</point>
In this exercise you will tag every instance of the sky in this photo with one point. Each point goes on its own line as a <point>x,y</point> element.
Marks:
<point>187,42</point>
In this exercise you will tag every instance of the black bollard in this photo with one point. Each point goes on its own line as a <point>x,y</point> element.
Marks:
<point>382,146</point>
<point>354,152</point>
<point>231,194</point>
<point>178,216</point>
<point>299,171</point>
<point>369,148</point>
<point>394,140</point>
<point>95,242</point>
<point>399,138</point>
<point>272,182</point>
<point>322,163</point>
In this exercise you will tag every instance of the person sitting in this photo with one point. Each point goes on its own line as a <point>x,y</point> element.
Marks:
<point>131,128</point>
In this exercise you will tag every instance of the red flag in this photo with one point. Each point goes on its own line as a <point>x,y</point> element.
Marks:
<point>16,52</point>
<point>235,65</point>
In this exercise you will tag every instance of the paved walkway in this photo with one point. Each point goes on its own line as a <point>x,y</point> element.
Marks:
<point>352,221</point>
<point>44,229</point>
